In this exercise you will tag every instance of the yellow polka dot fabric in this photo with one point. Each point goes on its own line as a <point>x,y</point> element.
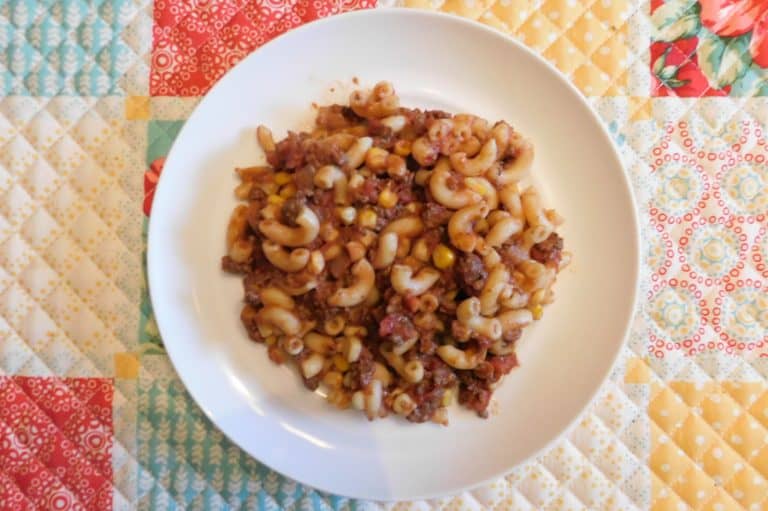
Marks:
<point>586,41</point>
<point>708,445</point>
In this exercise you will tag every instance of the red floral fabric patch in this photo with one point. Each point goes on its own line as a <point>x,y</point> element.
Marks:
<point>195,43</point>
<point>56,439</point>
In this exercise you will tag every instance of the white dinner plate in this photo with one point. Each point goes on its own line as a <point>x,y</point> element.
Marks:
<point>433,61</point>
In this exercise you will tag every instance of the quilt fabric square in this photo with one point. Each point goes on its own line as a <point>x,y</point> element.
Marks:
<point>194,44</point>
<point>56,441</point>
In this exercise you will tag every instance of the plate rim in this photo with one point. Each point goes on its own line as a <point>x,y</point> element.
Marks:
<point>160,191</point>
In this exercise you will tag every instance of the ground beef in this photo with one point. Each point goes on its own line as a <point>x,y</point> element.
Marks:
<point>512,254</point>
<point>376,128</point>
<point>291,210</point>
<point>339,266</point>
<point>411,164</point>
<point>362,371</point>
<point>428,398</point>
<point>440,372</point>
<point>549,251</point>
<point>248,317</point>
<point>253,215</point>
<point>435,215</point>
<point>304,180</point>
<point>494,368</point>
<point>459,331</point>
<point>433,237</point>
<point>289,152</point>
<point>503,364</point>
<point>336,117</point>
<point>474,393</point>
<point>470,273</point>
<point>428,393</point>
<point>397,328</point>
<point>257,195</point>
<point>427,344</point>
<point>261,276</point>
<point>230,266</point>
<point>426,407</point>
<point>418,121</point>
<point>368,192</point>
<point>403,188</point>
<point>324,289</point>
<point>324,152</point>
<point>312,383</point>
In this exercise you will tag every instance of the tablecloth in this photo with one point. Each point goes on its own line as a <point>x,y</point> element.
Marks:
<point>93,417</point>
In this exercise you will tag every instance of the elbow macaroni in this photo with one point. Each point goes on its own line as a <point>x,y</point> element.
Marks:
<point>386,251</point>
<point>446,195</point>
<point>306,232</point>
<point>354,294</point>
<point>331,176</point>
<point>461,226</point>
<point>292,261</point>
<point>392,250</point>
<point>404,281</point>
<point>479,164</point>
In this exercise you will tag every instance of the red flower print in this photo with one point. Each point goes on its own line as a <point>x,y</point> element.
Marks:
<point>730,18</point>
<point>758,46</point>
<point>151,178</point>
<point>676,71</point>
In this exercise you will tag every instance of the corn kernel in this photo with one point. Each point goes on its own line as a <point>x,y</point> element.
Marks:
<point>270,340</point>
<point>367,218</point>
<point>282,178</point>
<point>443,257</point>
<point>477,186</point>
<point>414,208</point>
<point>481,227</point>
<point>420,251</point>
<point>328,232</point>
<point>340,363</point>
<point>421,177</point>
<point>352,330</point>
<point>403,148</point>
<point>347,214</point>
<point>275,199</point>
<point>331,251</point>
<point>387,198</point>
<point>355,181</point>
<point>288,191</point>
<point>356,250</point>
<point>376,158</point>
<point>448,397</point>
<point>396,166</point>
<point>339,398</point>
<point>537,311</point>
<point>268,188</point>
<point>537,298</point>
<point>333,379</point>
